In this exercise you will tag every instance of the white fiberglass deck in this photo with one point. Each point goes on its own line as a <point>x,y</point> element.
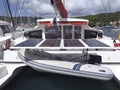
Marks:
<point>12,66</point>
<point>107,57</point>
<point>11,58</point>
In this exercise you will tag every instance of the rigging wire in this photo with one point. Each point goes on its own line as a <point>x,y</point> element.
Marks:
<point>108,21</point>
<point>11,17</point>
<point>10,13</point>
<point>6,9</point>
<point>16,12</point>
<point>16,8</point>
<point>104,6</point>
<point>21,7</point>
<point>21,10</point>
<point>35,7</point>
<point>109,5</point>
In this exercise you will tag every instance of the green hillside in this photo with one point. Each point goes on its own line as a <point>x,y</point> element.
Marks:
<point>94,20</point>
<point>102,19</point>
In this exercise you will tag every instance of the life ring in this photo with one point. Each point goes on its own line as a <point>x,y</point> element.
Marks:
<point>7,44</point>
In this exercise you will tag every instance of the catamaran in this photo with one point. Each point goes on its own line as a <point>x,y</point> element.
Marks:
<point>60,38</point>
<point>65,46</point>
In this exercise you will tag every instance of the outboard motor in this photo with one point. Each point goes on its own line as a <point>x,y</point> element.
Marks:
<point>100,34</point>
<point>94,59</point>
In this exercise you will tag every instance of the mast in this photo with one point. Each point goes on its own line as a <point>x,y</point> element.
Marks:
<point>13,24</point>
<point>59,8</point>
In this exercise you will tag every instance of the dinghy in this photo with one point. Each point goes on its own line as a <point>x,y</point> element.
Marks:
<point>42,61</point>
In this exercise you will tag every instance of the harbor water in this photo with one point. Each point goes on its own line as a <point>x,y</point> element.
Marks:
<point>111,33</point>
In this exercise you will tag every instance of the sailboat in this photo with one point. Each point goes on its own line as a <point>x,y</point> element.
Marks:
<point>65,46</point>
<point>5,37</point>
<point>65,36</point>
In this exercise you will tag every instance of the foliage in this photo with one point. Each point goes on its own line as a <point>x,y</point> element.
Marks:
<point>94,20</point>
<point>102,19</point>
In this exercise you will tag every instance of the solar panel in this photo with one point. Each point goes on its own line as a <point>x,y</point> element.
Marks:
<point>29,43</point>
<point>94,43</point>
<point>72,43</point>
<point>66,44</point>
<point>50,43</point>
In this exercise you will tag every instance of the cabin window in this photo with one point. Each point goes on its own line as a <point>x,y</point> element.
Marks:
<point>53,32</point>
<point>5,29</point>
<point>67,30</point>
<point>90,34</point>
<point>34,34</point>
<point>77,32</point>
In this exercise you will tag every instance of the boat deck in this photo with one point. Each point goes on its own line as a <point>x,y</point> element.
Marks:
<point>25,78</point>
<point>110,59</point>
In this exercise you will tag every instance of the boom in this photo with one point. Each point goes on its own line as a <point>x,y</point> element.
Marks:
<point>59,8</point>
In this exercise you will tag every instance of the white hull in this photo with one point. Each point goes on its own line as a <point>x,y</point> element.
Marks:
<point>3,70</point>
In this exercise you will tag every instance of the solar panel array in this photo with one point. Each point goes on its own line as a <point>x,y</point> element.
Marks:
<point>62,44</point>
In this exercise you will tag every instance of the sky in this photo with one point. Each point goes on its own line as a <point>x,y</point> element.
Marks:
<point>44,9</point>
